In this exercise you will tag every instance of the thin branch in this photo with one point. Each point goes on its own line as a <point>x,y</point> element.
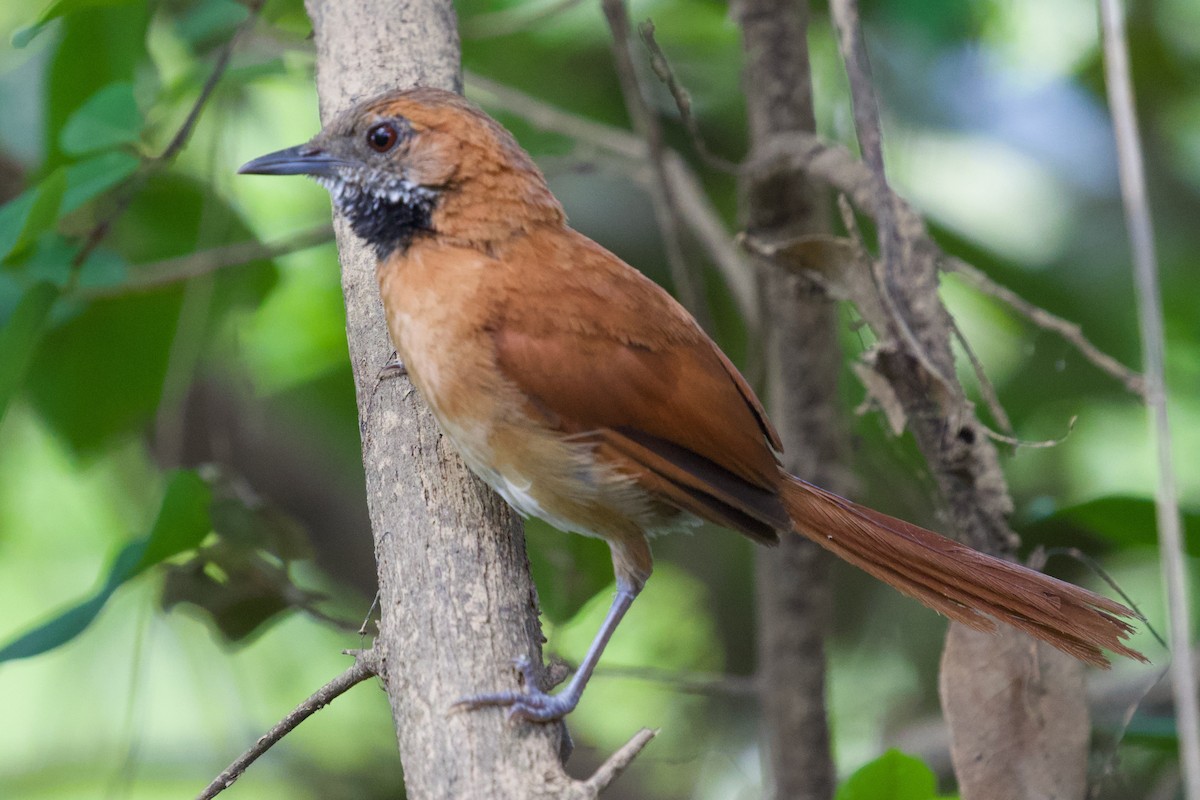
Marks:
<point>1145,270</point>
<point>1050,322</point>
<point>691,291</point>
<point>1025,443</point>
<point>870,142</point>
<point>611,769</point>
<point>101,229</point>
<point>697,211</point>
<point>986,389</point>
<point>694,206</point>
<point>546,117</point>
<point>366,664</point>
<point>683,100</point>
<point>173,270</point>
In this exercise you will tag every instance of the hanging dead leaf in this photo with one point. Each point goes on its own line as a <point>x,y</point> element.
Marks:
<point>1018,716</point>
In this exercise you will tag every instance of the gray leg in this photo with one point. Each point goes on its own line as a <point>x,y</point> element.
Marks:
<point>537,706</point>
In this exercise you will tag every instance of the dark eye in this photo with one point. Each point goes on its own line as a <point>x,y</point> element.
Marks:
<point>382,137</point>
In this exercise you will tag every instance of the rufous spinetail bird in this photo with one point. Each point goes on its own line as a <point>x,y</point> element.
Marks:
<point>587,396</point>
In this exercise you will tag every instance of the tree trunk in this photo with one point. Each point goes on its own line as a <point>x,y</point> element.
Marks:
<point>455,595</point>
<point>803,360</point>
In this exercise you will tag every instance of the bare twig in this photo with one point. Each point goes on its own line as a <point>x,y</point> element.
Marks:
<point>702,218</point>
<point>547,117</point>
<point>101,229</point>
<point>1036,444</point>
<point>694,207</point>
<point>172,270</point>
<point>1047,321</point>
<point>683,100</point>
<point>1145,270</point>
<point>611,769</point>
<point>890,234</point>
<point>986,389</point>
<point>687,284</point>
<point>366,664</point>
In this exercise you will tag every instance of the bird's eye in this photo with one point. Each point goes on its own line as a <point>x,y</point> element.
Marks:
<point>382,137</point>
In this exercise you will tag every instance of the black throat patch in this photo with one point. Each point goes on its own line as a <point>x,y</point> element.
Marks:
<point>387,220</point>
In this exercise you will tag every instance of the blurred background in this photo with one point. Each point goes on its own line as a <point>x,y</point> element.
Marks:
<point>156,621</point>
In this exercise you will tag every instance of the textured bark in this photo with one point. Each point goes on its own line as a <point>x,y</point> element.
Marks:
<point>803,360</point>
<point>456,599</point>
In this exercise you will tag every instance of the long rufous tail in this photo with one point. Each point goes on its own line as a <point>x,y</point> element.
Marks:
<point>955,580</point>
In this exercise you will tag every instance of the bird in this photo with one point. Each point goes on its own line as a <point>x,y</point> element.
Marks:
<point>585,395</point>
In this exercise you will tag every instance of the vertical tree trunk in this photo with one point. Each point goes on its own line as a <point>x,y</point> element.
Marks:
<point>803,360</point>
<point>455,594</point>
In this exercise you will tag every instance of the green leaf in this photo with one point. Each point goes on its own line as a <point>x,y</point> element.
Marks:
<point>892,776</point>
<point>1123,520</point>
<point>72,622</point>
<point>104,269</point>
<point>210,21</point>
<point>108,118</point>
<point>49,259</point>
<point>24,36</point>
<point>1160,732</point>
<point>181,525</point>
<point>34,212</point>
<point>96,175</point>
<point>20,335</point>
<point>114,41</point>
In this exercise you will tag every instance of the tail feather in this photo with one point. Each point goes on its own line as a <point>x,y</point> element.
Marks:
<point>953,579</point>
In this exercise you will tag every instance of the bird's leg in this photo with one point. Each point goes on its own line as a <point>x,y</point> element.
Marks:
<point>537,706</point>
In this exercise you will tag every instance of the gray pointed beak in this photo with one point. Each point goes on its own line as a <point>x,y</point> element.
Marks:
<point>302,159</point>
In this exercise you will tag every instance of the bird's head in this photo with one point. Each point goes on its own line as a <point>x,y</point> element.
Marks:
<point>421,161</point>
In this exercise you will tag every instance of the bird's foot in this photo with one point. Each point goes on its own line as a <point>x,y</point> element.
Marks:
<point>530,704</point>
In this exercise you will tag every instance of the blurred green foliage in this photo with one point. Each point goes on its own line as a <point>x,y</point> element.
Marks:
<point>892,776</point>
<point>204,430</point>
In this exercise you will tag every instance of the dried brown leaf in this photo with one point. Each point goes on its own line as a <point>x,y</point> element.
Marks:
<point>1018,716</point>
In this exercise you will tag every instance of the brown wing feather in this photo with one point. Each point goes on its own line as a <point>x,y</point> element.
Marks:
<point>647,377</point>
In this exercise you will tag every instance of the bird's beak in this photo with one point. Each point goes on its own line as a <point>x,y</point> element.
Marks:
<point>302,159</point>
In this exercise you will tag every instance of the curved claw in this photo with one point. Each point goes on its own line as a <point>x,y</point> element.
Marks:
<point>533,705</point>
<point>530,704</point>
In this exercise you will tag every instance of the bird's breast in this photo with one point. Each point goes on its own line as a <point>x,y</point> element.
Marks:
<point>440,314</point>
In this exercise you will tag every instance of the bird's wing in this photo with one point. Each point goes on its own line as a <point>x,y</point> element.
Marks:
<point>611,355</point>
